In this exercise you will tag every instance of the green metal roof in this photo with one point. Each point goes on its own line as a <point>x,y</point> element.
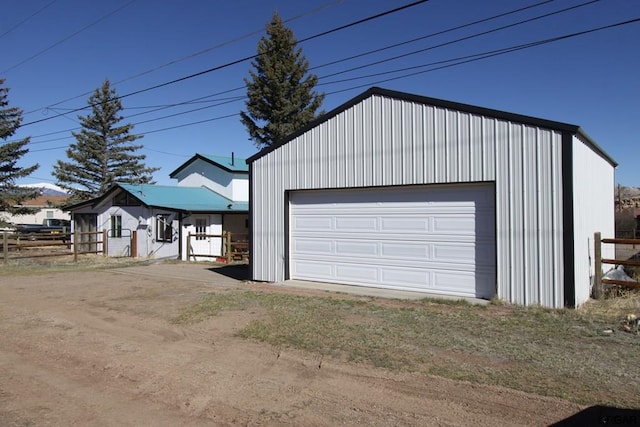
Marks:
<point>230,164</point>
<point>188,199</point>
<point>234,164</point>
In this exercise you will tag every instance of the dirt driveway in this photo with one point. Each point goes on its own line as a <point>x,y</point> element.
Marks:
<point>98,348</point>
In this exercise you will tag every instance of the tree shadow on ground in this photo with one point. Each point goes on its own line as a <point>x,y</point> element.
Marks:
<point>234,271</point>
<point>601,415</point>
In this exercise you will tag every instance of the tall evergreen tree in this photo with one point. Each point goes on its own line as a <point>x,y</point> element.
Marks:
<point>280,92</point>
<point>103,153</point>
<point>12,195</point>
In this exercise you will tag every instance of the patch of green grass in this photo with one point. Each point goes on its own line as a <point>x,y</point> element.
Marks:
<point>562,353</point>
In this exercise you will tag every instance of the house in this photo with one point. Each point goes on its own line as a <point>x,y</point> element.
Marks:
<point>399,191</point>
<point>157,221</point>
<point>45,206</point>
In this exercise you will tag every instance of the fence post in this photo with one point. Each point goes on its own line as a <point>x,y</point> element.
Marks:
<point>229,250</point>
<point>75,245</point>
<point>597,280</point>
<point>5,247</point>
<point>134,243</point>
<point>188,246</point>
<point>105,243</point>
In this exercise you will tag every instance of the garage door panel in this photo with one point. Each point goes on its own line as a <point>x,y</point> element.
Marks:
<point>356,273</point>
<point>417,224</point>
<point>356,223</point>
<point>313,223</point>
<point>406,250</point>
<point>313,269</point>
<point>313,246</point>
<point>438,239</point>
<point>357,248</point>
<point>406,278</point>
<point>458,224</point>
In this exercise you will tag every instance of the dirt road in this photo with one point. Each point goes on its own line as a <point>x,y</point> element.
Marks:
<point>98,348</point>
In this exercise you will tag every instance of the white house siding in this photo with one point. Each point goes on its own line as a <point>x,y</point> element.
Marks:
<point>593,195</point>
<point>383,141</point>
<point>233,186</point>
<point>211,246</point>
<point>120,246</point>
<point>36,217</point>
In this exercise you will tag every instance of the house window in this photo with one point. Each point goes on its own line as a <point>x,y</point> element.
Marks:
<point>201,228</point>
<point>125,199</point>
<point>116,226</point>
<point>49,214</point>
<point>164,231</point>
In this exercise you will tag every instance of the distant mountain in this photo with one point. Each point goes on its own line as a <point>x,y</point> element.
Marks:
<point>48,189</point>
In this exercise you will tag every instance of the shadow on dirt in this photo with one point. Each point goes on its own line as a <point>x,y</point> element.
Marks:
<point>234,271</point>
<point>602,415</point>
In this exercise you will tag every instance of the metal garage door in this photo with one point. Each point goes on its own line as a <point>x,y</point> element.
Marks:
<point>437,239</point>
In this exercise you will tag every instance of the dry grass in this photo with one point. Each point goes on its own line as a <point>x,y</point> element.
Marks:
<point>562,353</point>
<point>37,265</point>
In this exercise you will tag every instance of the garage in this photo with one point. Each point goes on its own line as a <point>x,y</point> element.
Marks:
<point>436,239</point>
<point>407,192</point>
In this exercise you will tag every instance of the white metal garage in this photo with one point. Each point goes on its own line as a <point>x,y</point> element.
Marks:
<point>324,202</point>
<point>424,238</point>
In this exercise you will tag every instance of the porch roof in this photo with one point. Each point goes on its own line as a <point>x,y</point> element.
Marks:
<point>188,199</point>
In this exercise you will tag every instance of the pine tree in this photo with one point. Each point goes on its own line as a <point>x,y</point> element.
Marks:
<point>103,153</point>
<point>12,195</point>
<point>280,92</point>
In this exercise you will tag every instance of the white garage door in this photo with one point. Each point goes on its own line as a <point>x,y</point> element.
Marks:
<point>437,239</point>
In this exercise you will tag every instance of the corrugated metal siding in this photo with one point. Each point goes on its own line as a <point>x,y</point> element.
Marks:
<point>593,195</point>
<point>383,141</point>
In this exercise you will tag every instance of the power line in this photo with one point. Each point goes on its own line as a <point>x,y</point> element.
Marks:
<point>443,64</point>
<point>438,33</point>
<point>412,40</point>
<point>470,37</point>
<point>496,53</point>
<point>68,37</point>
<point>201,52</point>
<point>239,61</point>
<point>28,18</point>
<point>446,64</point>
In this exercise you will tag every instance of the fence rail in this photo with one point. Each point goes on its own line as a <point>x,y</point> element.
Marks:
<point>233,246</point>
<point>16,243</point>
<point>599,280</point>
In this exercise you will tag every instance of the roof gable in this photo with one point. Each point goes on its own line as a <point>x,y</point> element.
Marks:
<point>229,164</point>
<point>472,109</point>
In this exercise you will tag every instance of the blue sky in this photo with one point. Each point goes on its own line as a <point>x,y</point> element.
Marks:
<point>56,52</point>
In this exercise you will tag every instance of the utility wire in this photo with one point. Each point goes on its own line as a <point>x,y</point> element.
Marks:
<point>472,36</point>
<point>325,64</point>
<point>491,54</point>
<point>448,30</point>
<point>413,40</point>
<point>67,38</point>
<point>452,63</point>
<point>238,61</point>
<point>25,20</point>
<point>448,63</point>
<point>201,52</point>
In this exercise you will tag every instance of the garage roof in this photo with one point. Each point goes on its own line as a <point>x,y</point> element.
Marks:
<point>472,109</point>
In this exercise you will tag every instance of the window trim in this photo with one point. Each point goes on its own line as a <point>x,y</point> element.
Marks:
<point>164,228</point>
<point>116,226</point>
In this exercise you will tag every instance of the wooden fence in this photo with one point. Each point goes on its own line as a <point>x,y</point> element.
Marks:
<point>23,247</point>
<point>233,246</point>
<point>632,262</point>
